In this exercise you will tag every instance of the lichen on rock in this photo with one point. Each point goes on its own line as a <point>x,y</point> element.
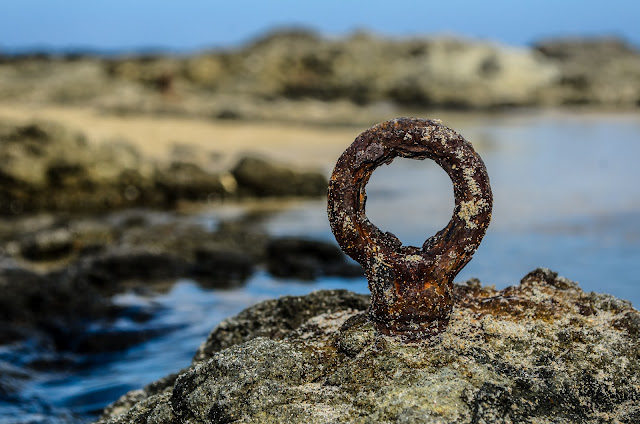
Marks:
<point>542,351</point>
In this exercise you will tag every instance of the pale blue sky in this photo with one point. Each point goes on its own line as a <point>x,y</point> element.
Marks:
<point>196,24</point>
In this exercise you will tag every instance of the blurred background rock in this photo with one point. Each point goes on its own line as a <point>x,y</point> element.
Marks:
<point>285,74</point>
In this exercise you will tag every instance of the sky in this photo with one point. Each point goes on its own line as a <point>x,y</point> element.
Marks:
<point>188,25</point>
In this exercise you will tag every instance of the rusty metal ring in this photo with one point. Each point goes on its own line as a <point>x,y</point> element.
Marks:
<point>410,286</point>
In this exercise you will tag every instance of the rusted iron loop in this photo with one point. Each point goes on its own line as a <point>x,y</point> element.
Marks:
<point>410,286</point>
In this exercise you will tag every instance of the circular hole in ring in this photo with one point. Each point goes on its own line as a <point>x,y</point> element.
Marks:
<point>410,198</point>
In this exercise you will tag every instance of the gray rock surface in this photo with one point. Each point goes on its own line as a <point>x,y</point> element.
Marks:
<point>539,352</point>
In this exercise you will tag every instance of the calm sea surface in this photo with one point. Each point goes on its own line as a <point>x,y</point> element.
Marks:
<point>566,197</point>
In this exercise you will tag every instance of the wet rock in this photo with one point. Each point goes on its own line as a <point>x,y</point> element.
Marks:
<point>308,259</point>
<point>242,235</point>
<point>136,248</point>
<point>69,310</point>
<point>149,253</point>
<point>259,177</point>
<point>108,269</point>
<point>11,380</point>
<point>71,266</point>
<point>523,354</point>
<point>221,268</point>
<point>34,302</point>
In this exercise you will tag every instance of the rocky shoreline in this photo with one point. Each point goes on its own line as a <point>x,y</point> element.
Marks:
<point>541,351</point>
<point>304,77</point>
<point>58,273</point>
<point>45,166</point>
<point>83,221</point>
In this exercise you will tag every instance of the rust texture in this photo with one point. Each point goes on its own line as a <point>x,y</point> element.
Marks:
<point>411,286</point>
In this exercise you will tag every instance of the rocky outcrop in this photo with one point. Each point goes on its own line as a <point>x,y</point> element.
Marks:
<point>45,166</point>
<point>542,351</point>
<point>275,76</point>
<point>597,71</point>
<point>363,68</point>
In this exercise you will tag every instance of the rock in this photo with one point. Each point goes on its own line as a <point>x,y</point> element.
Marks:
<point>594,71</point>
<point>221,268</point>
<point>308,259</point>
<point>82,262</point>
<point>146,395</point>
<point>242,235</point>
<point>275,76</point>
<point>259,177</point>
<point>34,302</point>
<point>70,310</point>
<point>47,245</point>
<point>211,267</point>
<point>45,166</point>
<point>106,270</point>
<point>277,317</point>
<point>542,351</point>
<point>187,181</point>
<point>362,68</point>
<point>596,48</point>
<point>169,250</point>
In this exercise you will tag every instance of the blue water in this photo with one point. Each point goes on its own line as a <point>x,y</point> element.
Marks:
<point>566,196</point>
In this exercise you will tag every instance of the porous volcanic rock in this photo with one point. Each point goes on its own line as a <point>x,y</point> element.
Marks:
<point>542,351</point>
